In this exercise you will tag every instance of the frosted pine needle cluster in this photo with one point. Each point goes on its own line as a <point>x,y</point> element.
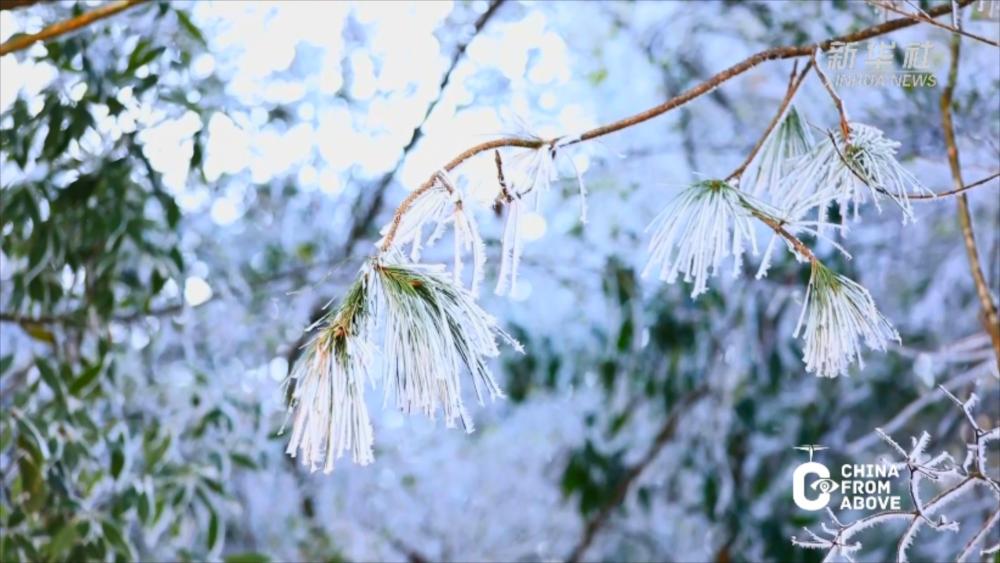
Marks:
<point>327,407</point>
<point>838,314</point>
<point>443,205</point>
<point>789,141</point>
<point>862,167</point>
<point>428,210</point>
<point>433,330</point>
<point>708,222</point>
<point>793,177</point>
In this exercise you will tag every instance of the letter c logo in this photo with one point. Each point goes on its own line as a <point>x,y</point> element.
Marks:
<point>799,486</point>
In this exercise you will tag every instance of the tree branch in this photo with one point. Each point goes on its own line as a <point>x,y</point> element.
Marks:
<point>845,122</point>
<point>371,212</point>
<point>839,541</point>
<point>775,53</point>
<point>919,16</point>
<point>977,183</point>
<point>19,42</point>
<point>979,537</point>
<point>989,309</point>
<point>378,193</point>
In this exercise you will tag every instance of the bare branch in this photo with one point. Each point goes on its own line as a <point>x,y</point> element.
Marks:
<point>979,537</point>
<point>991,321</point>
<point>920,465</point>
<point>845,123</point>
<point>922,17</point>
<point>775,53</point>
<point>956,191</point>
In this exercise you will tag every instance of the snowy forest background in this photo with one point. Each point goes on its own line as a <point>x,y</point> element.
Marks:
<point>221,169</point>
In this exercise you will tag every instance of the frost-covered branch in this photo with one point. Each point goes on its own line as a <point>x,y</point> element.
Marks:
<point>774,53</point>
<point>956,191</point>
<point>433,327</point>
<point>838,539</point>
<point>922,16</point>
<point>978,539</point>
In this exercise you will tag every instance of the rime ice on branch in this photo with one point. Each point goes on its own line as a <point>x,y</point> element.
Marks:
<point>434,329</point>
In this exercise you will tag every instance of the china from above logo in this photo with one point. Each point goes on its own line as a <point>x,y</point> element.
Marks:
<point>865,486</point>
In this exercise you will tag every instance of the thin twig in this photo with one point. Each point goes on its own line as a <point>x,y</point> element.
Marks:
<point>789,52</point>
<point>955,191</point>
<point>922,18</point>
<point>941,499</point>
<point>979,537</point>
<point>845,124</point>
<point>778,226</point>
<point>19,42</point>
<point>793,86</point>
<point>989,309</point>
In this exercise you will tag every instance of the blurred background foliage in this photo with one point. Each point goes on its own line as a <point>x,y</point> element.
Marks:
<point>154,294</point>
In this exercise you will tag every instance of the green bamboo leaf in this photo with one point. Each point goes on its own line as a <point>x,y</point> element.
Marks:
<point>61,541</point>
<point>213,529</point>
<point>6,362</point>
<point>84,380</point>
<point>154,453</point>
<point>190,27</point>
<point>117,462</point>
<point>49,376</point>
